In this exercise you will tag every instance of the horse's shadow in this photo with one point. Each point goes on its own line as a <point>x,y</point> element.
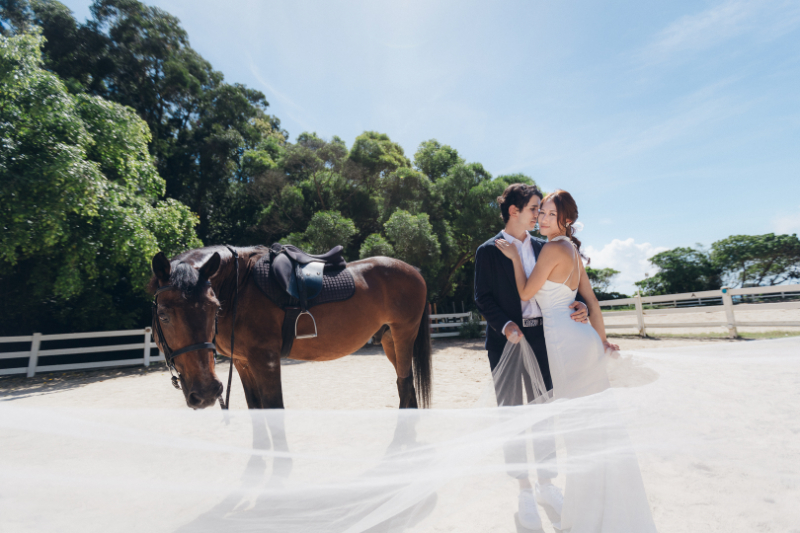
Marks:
<point>367,502</point>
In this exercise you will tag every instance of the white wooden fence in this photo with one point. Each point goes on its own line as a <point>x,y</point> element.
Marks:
<point>36,354</point>
<point>692,302</point>
<point>447,325</point>
<point>449,321</point>
<point>706,302</point>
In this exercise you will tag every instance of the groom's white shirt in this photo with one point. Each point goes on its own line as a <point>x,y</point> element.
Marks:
<point>530,309</point>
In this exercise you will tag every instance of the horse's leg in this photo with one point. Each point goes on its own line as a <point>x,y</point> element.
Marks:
<point>398,343</point>
<point>402,382</point>
<point>268,432</point>
<point>266,371</point>
<point>388,347</point>
<point>249,384</point>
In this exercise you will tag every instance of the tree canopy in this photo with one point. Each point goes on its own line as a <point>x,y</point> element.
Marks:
<point>753,260</point>
<point>80,211</point>
<point>682,270</point>
<point>737,261</point>
<point>601,279</point>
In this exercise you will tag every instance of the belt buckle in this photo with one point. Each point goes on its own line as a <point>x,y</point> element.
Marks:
<point>530,322</point>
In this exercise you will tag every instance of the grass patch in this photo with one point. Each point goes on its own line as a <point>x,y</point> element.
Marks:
<point>777,334</point>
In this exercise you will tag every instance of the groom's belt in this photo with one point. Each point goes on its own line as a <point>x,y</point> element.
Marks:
<point>531,322</point>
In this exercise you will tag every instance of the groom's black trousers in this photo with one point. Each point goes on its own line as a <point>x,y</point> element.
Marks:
<point>544,445</point>
<point>535,337</point>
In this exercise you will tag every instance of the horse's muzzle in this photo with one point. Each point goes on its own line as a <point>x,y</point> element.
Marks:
<point>200,399</point>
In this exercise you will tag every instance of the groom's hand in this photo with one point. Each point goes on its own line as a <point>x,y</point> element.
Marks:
<point>513,333</point>
<point>582,312</point>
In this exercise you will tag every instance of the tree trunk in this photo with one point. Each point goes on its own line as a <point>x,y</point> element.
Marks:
<point>461,261</point>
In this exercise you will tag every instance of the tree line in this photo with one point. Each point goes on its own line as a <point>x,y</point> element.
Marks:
<point>120,140</point>
<point>737,261</point>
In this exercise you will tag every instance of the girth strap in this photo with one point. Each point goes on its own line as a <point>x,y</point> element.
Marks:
<point>287,330</point>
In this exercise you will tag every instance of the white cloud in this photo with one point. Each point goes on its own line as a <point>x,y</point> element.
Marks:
<point>630,258</point>
<point>787,223</point>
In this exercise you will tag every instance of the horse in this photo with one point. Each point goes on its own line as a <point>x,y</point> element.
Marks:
<point>199,296</point>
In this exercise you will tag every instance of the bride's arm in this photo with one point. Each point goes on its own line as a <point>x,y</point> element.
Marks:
<point>529,286</point>
<point>547,261</point>
<point>595,314</point>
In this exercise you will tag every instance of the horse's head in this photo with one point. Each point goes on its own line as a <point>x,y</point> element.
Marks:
<point>184,312</point>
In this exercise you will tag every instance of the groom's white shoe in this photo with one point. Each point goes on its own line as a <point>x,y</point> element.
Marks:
<point>550,495</point>
<point>528,513</point>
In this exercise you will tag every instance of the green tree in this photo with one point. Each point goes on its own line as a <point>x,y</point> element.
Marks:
<point>375,245</point>
<point>80,213</point>
<point>601,279</point>
<point>413,240</point>
<point>406,189</point>
<point>682,270</point>
<point>435,160</point>
<point>468,216</point>
<point>754,260</point>
<point>139,56</point>
<point>326,230</point>
<point>317,166</point>
<point>377,156</point>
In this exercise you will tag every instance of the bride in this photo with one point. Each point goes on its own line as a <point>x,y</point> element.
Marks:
<point>608,495</point>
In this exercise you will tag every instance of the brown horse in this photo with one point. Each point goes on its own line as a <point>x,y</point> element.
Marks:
<point>201,285</point>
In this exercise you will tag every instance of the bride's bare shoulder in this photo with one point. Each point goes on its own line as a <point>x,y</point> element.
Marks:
<point>557,249</point>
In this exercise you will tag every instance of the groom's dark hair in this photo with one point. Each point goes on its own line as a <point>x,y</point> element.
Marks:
<point>516,194</point>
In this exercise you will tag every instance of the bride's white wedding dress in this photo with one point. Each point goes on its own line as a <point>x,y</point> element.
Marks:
<point>604,495</point>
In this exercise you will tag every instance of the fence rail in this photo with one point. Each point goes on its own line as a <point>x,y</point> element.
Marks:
<point>442,325</point>
<point>449,321</point>
<point>721,300</point>
<point>35,354</point>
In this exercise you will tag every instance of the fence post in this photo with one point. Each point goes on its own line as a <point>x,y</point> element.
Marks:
<point>640,314</point>
<point>33,360</point>
<point>147,333</point>
<point>727,301</point>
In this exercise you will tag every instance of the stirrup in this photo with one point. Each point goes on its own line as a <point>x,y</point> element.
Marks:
<point>308,335</point>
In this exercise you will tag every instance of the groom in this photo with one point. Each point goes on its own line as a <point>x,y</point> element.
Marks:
<point>509,319</point>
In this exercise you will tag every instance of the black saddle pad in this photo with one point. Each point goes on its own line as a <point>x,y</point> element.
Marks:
<point>337,285</point>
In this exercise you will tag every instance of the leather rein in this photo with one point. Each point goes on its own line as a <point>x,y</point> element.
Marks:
<point>170,355</point>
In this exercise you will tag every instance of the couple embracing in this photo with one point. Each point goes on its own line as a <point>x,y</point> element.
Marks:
<point>537,290</point>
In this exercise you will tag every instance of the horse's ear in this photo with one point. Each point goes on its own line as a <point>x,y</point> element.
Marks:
<point>210,267</point>
<point>161,267</point>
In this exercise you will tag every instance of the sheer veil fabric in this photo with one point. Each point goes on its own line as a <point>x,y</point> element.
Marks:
<point>714,429</point>
<point>607,494</point>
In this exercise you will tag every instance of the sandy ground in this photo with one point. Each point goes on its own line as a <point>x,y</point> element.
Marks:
<point>757,396</point>
<point>364,380</point>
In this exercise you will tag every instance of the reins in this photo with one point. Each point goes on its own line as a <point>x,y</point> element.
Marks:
<point>227,403</point>
<point>170,355</point>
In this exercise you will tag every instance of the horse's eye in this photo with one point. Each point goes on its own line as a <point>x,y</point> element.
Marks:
<point>163,318</point>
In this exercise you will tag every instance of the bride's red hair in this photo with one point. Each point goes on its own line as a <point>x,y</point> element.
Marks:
<point>567,209</point>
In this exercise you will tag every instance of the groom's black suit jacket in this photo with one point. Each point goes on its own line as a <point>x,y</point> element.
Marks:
<point>496,293</point>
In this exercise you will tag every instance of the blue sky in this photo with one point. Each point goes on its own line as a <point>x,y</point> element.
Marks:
<point>672,123</point>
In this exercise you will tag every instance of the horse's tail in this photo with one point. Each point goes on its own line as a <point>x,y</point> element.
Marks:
<point>422,360</point>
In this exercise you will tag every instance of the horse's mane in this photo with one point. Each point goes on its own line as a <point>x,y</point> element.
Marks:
<point>185,276</point>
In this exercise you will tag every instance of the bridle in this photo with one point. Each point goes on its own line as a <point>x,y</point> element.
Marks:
<point>170,355</point>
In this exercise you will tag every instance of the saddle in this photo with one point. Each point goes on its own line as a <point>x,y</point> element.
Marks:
<point>296,281</point>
